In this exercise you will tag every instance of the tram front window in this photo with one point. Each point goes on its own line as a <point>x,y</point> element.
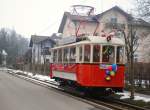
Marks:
<point>96,53</point>
<point>108,55</point>
<point>120,55</point>
<point>87,51</point>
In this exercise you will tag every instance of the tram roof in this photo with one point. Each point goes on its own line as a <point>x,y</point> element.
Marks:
<point>95,40</point>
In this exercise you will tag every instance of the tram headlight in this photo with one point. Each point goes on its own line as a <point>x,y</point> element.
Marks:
<point>108,78</point>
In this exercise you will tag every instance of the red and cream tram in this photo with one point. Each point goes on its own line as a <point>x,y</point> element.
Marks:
<point>90,62</point>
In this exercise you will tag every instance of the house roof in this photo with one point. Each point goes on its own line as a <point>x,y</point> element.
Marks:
<point>75,18</point>
<point>37,39</point>
<point>116,8</point>
<point>89,18</point>
<point>56,36</point>
<point>94,18</point>
<point>141,22</point>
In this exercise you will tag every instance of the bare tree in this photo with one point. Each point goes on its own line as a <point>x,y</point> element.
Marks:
<point>143,7</point>
<point>131,41</point>
<point>13,43</point>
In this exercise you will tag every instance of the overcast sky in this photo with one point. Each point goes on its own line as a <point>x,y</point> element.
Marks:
<point>42,17</point>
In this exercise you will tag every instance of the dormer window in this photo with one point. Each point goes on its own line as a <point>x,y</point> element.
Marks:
<point>113,20</point>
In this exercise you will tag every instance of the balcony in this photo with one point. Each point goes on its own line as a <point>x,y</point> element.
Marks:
<point>118,26</point>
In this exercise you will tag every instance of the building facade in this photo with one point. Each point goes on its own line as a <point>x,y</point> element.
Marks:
<point>40,46</point>
<point>113,20</point>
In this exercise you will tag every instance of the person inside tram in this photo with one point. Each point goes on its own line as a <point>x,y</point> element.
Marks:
<point>87,53</point>
<point>72,54</point>
<point>66,55</point>
<point>55,56</point>
<point>120,54</point>
<point>108,54</point>
<point>96,53</point>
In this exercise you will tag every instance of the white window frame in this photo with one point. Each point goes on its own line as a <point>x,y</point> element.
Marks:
<point>77,53</point>
<point>91,54</point>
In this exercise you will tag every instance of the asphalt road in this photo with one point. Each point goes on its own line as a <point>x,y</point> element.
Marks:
<point>18,94</point>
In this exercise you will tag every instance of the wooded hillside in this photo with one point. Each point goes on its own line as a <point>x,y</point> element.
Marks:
<point>13,43</point>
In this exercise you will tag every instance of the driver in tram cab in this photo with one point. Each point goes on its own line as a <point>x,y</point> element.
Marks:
<point>87,53</point>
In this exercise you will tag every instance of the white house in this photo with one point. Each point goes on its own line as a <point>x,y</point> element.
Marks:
<point>40,49</point>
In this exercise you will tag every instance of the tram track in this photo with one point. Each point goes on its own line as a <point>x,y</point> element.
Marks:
<point>104,104</point>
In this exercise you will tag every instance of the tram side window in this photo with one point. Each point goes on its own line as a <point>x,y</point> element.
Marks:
<point>80,53</point>
<point>108,54</point>
<point>60,55</point>
<point>72,54</point>
<point>120,54</point>
<point>55,56</point>
<point>96,53</point>
<point>66,55</point>
<point>87,51</point>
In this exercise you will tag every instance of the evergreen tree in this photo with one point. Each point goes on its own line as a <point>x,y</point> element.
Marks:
<point>14,44</point>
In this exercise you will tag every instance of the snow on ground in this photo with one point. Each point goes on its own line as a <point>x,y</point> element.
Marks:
<point>43,78</point>
<point>126,94</point>
<point>37,76</point>
<point>3,69</point>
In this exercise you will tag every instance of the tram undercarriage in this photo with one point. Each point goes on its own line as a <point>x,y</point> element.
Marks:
<point>90,91</point>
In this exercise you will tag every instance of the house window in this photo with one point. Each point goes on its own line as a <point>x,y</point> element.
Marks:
<point>47,61</point>
<point>113,20</point>
<point>45,51</point>
<point>119,34</point>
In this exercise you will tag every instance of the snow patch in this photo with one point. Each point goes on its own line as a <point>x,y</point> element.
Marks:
<point>36,76</point>
<point>126,95</point>
<point>43,78</point>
